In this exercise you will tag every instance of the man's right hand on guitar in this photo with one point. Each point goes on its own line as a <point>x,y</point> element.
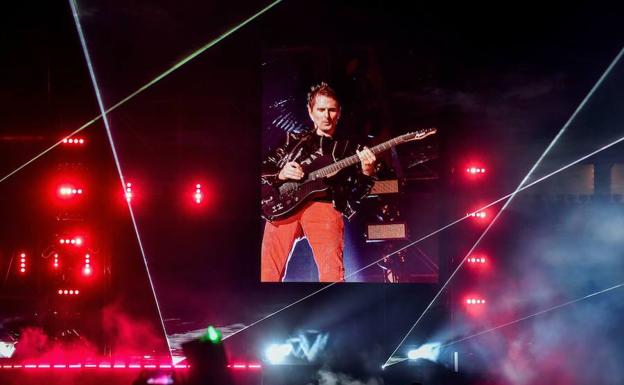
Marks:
<point>291,170</point>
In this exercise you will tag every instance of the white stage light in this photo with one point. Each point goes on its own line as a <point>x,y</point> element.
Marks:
<point>429,352</point>
<point>7,349</point>
<point>277,353</point>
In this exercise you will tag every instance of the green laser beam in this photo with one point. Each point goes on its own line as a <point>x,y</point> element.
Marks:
<point>158,78</point>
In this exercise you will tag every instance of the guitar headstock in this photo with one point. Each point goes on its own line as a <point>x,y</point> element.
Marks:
<point>417,135</point>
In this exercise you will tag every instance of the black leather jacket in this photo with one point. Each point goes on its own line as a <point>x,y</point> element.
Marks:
<point>347,188</point>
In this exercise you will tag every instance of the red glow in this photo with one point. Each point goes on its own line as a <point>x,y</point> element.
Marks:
<point>68,292</point>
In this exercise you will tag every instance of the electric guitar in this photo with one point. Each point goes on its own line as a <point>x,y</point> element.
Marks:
<point>280,202</point>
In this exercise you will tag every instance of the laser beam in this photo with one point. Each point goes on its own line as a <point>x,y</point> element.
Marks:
<point>543,178</point>
<point>556,307</point>
<point>513,195</point>
<point>397,360</point>
<point>98,95</point>
<point>158,78</point>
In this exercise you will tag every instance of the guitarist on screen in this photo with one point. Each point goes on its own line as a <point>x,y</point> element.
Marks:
<point>319,220</point>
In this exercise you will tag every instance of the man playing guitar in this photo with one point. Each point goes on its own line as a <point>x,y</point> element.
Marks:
<point>319,220</point>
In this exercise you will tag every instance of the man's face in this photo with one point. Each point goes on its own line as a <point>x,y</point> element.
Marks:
<point>325,113</point>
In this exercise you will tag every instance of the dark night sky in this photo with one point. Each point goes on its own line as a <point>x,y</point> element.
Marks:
<point>502,77</point>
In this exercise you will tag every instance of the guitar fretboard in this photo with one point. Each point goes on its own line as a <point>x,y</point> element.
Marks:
<point>354,159</point>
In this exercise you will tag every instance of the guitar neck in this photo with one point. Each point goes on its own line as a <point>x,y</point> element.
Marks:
<point>353,159</point>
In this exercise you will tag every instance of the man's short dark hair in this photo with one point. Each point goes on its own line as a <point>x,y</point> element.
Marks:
<point>321,89</point>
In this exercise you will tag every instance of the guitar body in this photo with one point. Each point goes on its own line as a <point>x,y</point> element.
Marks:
<point>280,203</point>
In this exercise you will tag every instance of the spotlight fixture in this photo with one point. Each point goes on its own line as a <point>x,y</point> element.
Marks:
<point>74,141</point>
<point>74,241</point>
<point>429,351</point>
<point>198,196</point>
<point>69,292</point>
<point>476,260</point>
<point>22,264</point>
<point>472,170</point>
<point>277,353</point>
<point>128,191</point>
<point>477,214</point>
<point>475,301</point>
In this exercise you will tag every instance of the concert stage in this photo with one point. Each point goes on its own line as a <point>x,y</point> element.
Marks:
<point>311,192</point>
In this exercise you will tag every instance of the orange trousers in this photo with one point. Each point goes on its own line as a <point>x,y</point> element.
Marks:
<point>323,227</point>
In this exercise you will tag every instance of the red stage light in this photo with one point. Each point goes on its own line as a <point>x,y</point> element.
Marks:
<point>74,141</point>
<point>476,260</point>
<point>68,292</point>
<point>22,265</point>
<point>475,301</point>
<point>87,265</point>
<point>56,261</point>
<point>198,196</point>
<point>76,241</point>
<point>128,191</point>
<point>69,191</point>
<point>478,214</point>
<point>475,170</point>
